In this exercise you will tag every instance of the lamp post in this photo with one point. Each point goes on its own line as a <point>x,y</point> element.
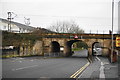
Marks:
<point>112,29</point>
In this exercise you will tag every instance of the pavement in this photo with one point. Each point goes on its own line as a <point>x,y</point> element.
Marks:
<point>101,68</point>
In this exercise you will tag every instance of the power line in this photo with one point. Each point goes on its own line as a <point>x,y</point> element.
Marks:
<point>61,16</point>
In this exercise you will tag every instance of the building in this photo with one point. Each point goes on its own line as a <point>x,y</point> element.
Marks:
<point>119,17</point>
<point>15,26</point>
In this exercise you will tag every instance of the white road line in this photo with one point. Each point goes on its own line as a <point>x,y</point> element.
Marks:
<point>106,63</point>
<point>102,74</point>
<point>98,58</point>
<point>20,58</point>
<point>31,60</point>
<point>24,67</point>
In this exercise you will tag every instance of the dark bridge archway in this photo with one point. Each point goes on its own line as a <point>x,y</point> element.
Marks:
<point>55,47</point>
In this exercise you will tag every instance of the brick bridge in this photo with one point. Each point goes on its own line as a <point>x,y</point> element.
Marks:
<point>53,42</point>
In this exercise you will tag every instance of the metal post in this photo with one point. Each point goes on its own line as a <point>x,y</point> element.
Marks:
<point>9,19</point>
<point>112,28</point>
<point>103,41</point>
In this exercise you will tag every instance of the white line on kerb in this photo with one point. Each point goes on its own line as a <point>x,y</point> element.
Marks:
<point>102,74</point>
<point>24,67</point>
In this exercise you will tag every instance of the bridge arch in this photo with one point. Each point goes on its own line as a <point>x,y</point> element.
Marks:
<point>54,47</point>
<point>96,45</point>
<point>68,47</point>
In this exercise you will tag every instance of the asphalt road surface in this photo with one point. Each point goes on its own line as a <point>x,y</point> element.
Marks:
<point>37,67</point>
<point>81,53</point>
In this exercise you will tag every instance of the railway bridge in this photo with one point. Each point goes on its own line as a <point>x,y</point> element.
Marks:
<point>62,42</point>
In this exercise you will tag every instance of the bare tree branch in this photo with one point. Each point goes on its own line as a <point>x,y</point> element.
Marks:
<point>66,27</point>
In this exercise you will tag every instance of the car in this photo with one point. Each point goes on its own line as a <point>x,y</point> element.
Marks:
<point>97,51</point>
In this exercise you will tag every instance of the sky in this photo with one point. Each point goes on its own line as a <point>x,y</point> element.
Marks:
<point>90,15</point>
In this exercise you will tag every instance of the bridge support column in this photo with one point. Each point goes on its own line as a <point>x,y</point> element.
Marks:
<point>105,51</point>
<point>89,51</point>
<point>67,51</point>
<point>90,56</point>
<point>21,50</point>
<point>38,48</point>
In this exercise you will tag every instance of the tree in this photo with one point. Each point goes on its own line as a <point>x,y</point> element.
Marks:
<point>66,27</point>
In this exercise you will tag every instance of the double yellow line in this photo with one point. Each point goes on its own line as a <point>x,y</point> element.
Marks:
<point>80,70</point>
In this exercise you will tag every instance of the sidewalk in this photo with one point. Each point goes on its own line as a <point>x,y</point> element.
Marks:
<point>101,68</point>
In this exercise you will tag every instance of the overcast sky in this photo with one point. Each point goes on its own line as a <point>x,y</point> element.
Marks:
<point>88,14</point>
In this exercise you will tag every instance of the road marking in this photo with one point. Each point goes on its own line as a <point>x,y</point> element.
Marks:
<point>89,60</point>
<point>102,74</point>
<point>98,58</point>
<point>31,60</point>
<point>80,70</point>
<point>43,77</point>
<point>20,58</point>
<point>20,61</point>
<point>24,67</point>
<point>105,63</point>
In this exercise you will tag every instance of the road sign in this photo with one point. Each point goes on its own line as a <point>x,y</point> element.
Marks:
<point>117,41</point>
<point>76,36</point>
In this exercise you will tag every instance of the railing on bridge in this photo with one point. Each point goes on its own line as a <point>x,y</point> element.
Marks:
<point>80,36</point>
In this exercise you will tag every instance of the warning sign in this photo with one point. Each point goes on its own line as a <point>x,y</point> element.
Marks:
<point>117,41</point>
<point>76,36</point>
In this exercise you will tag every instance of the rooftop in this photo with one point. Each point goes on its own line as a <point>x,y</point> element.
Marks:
<point>23,26</point>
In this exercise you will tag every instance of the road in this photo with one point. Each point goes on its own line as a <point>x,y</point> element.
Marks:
<point>81,53</point>
<point>69,67</point>
<point>37,67</point>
